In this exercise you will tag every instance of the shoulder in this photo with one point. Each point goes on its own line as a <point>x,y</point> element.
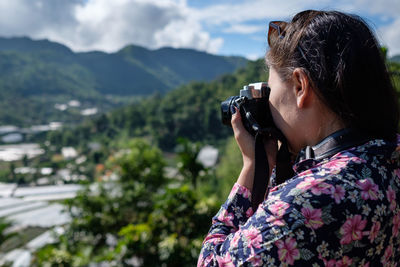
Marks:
<point>332,212</point>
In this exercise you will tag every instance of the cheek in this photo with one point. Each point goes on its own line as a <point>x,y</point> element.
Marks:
<point>281,109</point>
<point>276,106</point>
<point>278,102</point>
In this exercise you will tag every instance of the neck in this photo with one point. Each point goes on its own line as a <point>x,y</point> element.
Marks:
<point>317,129</point>
<point>326,129</point>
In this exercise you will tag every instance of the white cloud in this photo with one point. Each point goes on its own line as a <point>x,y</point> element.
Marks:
<point>233,17</point>
<point>253,56</point>
<point>187,34</point>
<point>253,10</point>
<point>390,37</point>
<point>106,25</point>
<point>30,17</point>
<point>380,7</point>
<point>387,10</point>
<point>243,28</point>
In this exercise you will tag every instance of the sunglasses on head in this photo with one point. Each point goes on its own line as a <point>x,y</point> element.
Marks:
<point>277,30</point>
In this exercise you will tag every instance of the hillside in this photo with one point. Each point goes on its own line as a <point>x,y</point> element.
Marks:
<point>191,111</point>
<point>395,58</point>
<point>41,73</point>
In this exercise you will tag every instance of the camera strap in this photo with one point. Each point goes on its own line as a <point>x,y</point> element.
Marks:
<point>261,176</point>
<point>334,143</point>
<point>283,160</point>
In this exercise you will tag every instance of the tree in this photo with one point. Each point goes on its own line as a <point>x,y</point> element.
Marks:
<point>143,217</point>
<point>228,168</point>
<point>188,165</point>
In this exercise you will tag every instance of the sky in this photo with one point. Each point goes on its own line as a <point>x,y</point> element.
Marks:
<point>223,27</point>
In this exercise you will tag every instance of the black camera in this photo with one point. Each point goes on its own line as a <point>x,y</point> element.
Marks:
<point>253,104</point>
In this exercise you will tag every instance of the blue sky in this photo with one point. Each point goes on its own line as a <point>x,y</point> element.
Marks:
<point>224,27</point>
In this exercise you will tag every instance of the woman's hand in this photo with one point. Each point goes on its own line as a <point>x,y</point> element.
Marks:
<point>246,143</point>
<point>244,139</point>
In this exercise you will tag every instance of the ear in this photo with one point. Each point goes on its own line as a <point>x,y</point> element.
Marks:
<point>302,88</point>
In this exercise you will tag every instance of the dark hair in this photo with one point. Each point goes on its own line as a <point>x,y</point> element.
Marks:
<point>346,67</point>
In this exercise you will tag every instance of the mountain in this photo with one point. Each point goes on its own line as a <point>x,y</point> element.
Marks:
<point>41,73</point>
<point>133,70</point>
<point>190,111</point>
<point>395,58</point>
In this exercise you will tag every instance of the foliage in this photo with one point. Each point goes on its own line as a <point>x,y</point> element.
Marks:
<point>36,75</point>
<point>172,235</point>
<point>5,234</point>
<point>188,166</point>
<point>143,217</point>
<point>191,111</point>
<point>228,168</point>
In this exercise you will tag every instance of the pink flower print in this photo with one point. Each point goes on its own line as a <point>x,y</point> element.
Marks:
<point>313,217</point>
<point>317,186</point>
<point>255,260</point>
<point>235,239</point>
<point>204,261</point>
<point>307,183</point>
<point>337,193</point>
<point>357,160</point>
<point>215,239</point>
<point>373,233</point>
<point>234,190</point>
<point>225,261</point>
<point>396,224</point>
<point>287,250</point>
<point>226,218</point>
<point>249,212</point>
<point>368,188</point>
<point>306,172</point>
<point>345,262</point>
<point>245,192</point>
<point>330,263</point>
<point>387,255</point>
<point>391,196</point>
<point>253,237</point>
<point>352,229</point>
<point>278,210</point>
<point>321,188</point>
<point>397,172</point>
<point>337,164</point>
<point>273,189</point>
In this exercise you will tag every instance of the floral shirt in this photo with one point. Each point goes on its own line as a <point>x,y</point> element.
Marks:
<point>340,211</point>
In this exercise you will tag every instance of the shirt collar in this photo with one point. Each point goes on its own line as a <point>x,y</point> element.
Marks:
<point>338,141</point>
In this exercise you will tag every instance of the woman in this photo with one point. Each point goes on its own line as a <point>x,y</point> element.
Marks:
<point>332,98</point>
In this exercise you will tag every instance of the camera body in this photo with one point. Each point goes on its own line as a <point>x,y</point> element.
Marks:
<point>253,105</point>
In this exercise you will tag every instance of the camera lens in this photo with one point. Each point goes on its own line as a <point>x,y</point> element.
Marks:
<point>227,109</point>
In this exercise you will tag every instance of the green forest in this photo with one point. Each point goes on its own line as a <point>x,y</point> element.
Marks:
<point>191,111</point>
<point>147,215</point>
<point>152,219</point>
<point>35,75</point>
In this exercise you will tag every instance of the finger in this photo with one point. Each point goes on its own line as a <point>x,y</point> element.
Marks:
<point>236,120</point>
